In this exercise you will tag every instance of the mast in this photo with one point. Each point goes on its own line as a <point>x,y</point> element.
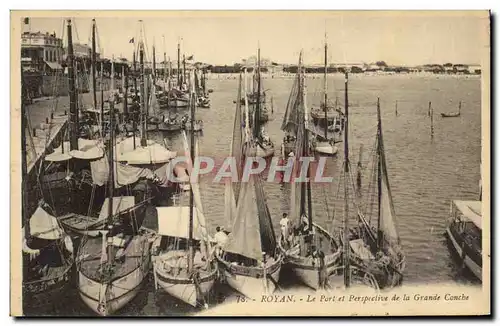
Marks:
<point>178,65</point>
<point>143,99</point>
<point>184,69</point>
<point>306,154</point>
<point>256,113</point>
<point>379,174</point>
<point>111,182</point>
<point>112,88</point>
<point>24,161</point>
<point>135,74</point>
<point>325,89</point>
<point>169,74</point>
<point>93,65</point>
<point>73,109</point>
<point>346,253</point>
<point>154,64</point>
<point>165,71</point>
<point>125,92</point>
<point>191,195</point>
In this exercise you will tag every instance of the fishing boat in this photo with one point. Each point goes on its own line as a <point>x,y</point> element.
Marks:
<point>264,145</point>
<point>183,263</point>
<point>306,242</point>
<point>325,145</point>
<point>186,124</point>
<point>464,232</point>
<point>372,254</point>
<point>47,251</point>
<point>112,266</point>
<point>453,114</point>
<point>202,96</point>
<point>249,262</point>
<point>257,95</point>
<point>178,96</point>
<point>293,113</point>
<point>326,114</point>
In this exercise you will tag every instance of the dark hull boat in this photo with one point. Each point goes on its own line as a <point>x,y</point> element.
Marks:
<point>453,115</point>
<point>47,260</point>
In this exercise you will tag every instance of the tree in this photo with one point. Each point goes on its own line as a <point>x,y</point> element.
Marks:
<point>381,64</point>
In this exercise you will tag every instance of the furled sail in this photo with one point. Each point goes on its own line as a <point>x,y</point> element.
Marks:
<point>290,123</point>
<point>237,140</point>
<point>231,191</point>
<point>195,188</point>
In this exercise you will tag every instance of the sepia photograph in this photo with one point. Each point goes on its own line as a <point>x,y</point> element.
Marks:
<point>250,163</point>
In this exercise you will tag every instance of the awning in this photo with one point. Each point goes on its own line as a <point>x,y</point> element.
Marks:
<point>173,221</point>
<point>88,149</point>
<point>54,65</point>
<point>471,210</point>
<point>151,154</point>
<point>120,204</point>
<point>44,226</point>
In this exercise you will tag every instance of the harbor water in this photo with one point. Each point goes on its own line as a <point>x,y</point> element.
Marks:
<point>425,173</point>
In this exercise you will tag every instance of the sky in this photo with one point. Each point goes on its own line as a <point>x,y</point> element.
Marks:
<point>399,38</point>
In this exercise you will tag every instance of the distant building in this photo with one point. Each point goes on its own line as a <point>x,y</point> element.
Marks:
<point>41,52</point>
<point>82,51</point>
<point>475,69</point>
<point>461,69</point>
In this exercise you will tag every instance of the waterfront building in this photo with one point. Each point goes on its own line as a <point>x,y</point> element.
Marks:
<point>41,52</point>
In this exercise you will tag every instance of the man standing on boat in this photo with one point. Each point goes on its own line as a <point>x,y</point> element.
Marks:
<point>285,226</point>
<point>220,238</point>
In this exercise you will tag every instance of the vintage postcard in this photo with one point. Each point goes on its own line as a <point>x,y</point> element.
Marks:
<point>250,163</point>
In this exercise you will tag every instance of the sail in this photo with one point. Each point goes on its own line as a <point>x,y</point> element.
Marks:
<point>237,140</point>
<point>247,238</point>
<point>387,214</point>
<point>153,103</point>
<point>291,114</point>
<point>195,188</point>
<point>268,238</point>
<point>231,192</point>
<point>297,196</point>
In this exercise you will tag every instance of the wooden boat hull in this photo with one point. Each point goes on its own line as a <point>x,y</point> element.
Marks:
<point>43,293</point>
<point>324,148</point>
<point>468,262</point>
<point>178,103</point>
<point>185,289</point>
<point>81,225</point>
<point>304,267</point>
<point>121,291</point>
<point>249,281</point>
<point>265,151</point>
<point>163,127</point>
<point>103,296</point>
<point>320,116</point>
<point>449,115</point>
<point>197,127</point>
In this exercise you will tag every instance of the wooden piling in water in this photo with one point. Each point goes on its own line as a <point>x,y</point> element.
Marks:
<point>431,114</point>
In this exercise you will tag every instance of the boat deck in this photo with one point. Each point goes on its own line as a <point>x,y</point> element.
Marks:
<point>127,261</point>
